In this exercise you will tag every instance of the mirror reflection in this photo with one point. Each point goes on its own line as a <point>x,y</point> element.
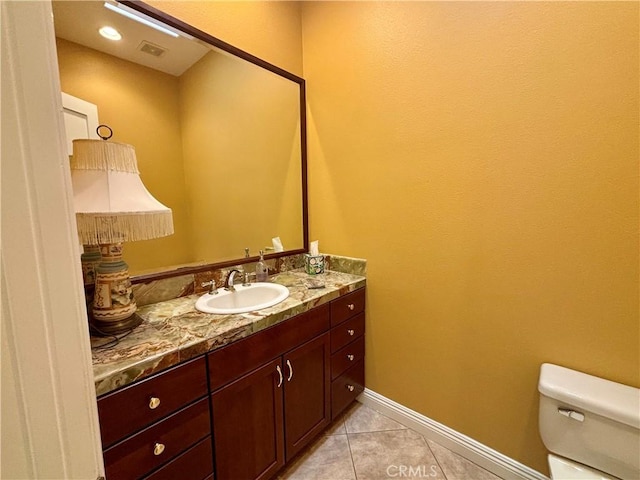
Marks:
<point>217,138</point>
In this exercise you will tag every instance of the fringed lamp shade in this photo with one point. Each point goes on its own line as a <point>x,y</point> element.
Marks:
<point>113,206</point>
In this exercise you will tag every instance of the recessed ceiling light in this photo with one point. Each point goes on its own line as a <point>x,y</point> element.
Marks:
<point>110,33</point>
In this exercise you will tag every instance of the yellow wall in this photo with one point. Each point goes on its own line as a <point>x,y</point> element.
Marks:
<point>483,156</point>
<point>125,93</point>
<point>270,30</point>
<point>242,167</point>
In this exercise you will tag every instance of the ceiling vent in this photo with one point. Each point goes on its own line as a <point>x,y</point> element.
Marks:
<point>151,49</point>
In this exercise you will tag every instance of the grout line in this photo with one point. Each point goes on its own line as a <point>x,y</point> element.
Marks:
<point>455,455</point>
<point>435,457</point>
<point>381,431</point>
<point>344,416</point>
<point>353,464</point>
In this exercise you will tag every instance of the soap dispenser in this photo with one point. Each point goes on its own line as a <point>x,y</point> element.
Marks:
<point>261,269</point>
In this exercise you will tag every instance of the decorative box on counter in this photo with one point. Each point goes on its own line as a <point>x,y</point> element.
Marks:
<point>314,264</point>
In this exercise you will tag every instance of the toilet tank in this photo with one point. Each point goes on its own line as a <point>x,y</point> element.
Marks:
<point>590,420</point>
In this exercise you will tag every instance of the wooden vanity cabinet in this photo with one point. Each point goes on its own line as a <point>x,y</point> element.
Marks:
<point>158,426</point>
<point>280,400</point>
<point>347,350</point>
<point>252,404</point>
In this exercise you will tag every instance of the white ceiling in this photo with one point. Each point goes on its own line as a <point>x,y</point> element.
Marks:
<point>79,21</point>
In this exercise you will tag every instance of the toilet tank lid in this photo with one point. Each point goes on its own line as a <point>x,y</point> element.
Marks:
<point>603,397</point>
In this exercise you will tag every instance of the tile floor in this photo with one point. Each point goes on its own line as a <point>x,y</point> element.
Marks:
<point>365,445</point>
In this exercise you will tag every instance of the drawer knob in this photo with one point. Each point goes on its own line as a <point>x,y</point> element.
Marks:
<point>158,448</point>
<point>154,402</point>
<point>351,332</point>
<point>351,306</point>
<point>350,357</point>
<point>351,388</point>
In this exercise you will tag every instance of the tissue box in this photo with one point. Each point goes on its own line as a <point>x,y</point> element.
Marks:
<point>314,264</point>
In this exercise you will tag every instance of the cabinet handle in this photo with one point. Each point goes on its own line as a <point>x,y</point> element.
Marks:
<point>154,402</point>
<point>351,332</point>
<point>351,388</point>
<point>350,357</point>
<point>280,375</point>
<point>158,448</point>
<point>290,371</point>
<point>351,306</point>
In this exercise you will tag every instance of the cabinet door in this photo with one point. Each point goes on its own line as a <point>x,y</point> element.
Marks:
<point>306,393</point>
<point>247,425</point>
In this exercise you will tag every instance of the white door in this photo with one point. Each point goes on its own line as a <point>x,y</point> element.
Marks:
<point>80,119</point>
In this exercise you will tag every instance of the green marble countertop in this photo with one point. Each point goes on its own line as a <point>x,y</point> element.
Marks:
<point>174,331</point>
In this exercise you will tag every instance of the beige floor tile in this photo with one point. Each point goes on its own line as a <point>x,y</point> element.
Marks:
<point>392,454</point>
<point>364,442</point>
<point>327,459</point>
<point>360,418</point>
<point>456,467</point>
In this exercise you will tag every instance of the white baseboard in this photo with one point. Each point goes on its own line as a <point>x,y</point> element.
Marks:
<point>480,454</point>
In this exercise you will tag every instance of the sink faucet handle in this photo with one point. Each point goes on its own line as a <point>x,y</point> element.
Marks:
<point>212,286</point>
<point>247,279</point>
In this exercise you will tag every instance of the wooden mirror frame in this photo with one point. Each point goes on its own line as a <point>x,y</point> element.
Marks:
<point>216,42</point>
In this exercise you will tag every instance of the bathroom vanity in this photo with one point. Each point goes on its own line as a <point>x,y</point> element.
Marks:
<point>249,390</point>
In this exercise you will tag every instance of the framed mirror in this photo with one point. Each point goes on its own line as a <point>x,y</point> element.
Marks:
<point>220,135</point>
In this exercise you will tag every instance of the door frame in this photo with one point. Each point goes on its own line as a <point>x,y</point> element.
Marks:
<point>48,403</point>
<point>80,108</point>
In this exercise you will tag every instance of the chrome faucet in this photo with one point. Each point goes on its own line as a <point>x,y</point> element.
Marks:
<point>228,284</point>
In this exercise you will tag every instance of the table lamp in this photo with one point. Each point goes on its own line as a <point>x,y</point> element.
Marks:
<point>113,206</point>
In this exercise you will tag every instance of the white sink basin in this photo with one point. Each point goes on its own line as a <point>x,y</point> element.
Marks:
<point>245,299</point>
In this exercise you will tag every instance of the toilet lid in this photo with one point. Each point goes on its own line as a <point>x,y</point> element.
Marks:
<point>563,469</point>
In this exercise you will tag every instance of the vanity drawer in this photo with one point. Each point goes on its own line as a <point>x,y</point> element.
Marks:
<point>232,361</point>
<point>346,357</point>
<point>347,332</point>
<point>346,388</point>
<point>194,464</point>
<point>133,408</point>
<point>154,446</point>
<point>347,306</point>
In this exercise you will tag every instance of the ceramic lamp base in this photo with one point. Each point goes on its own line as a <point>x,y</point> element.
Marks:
<point>113,302</point>
<point>90,260</point>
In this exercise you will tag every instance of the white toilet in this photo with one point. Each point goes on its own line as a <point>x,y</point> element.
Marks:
<point>592,425</point>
